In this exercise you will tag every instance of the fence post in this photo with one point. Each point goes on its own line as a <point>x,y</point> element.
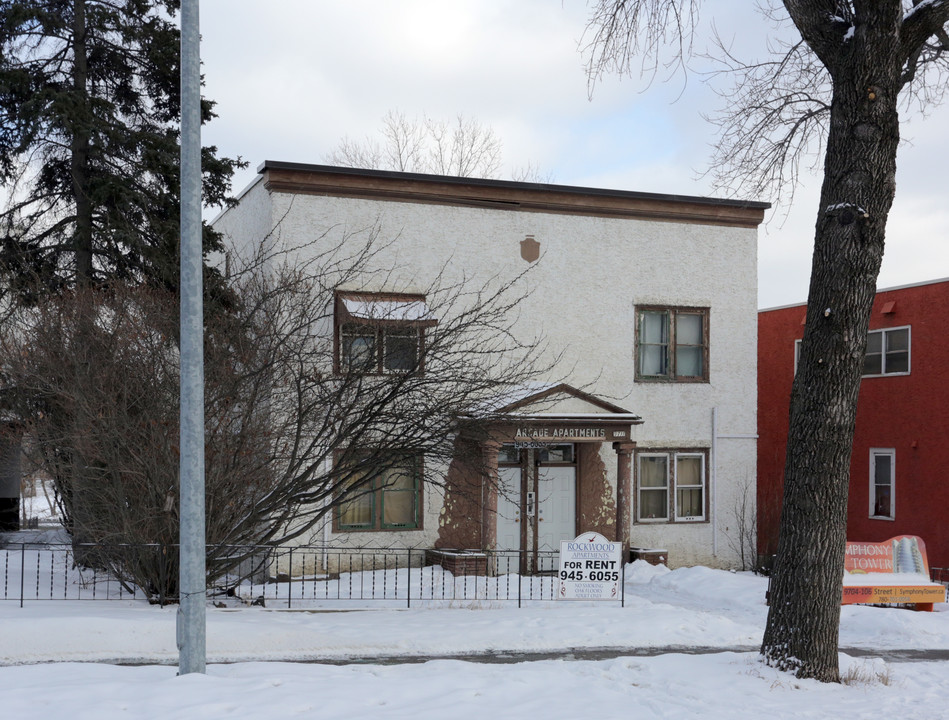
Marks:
<point>408,583</point>
<point>163,576</point>
<point>622,584</point>
<point>22,569</point>
<point>290,580</point>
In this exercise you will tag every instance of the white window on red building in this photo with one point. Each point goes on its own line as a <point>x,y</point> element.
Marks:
<point>882,483</point>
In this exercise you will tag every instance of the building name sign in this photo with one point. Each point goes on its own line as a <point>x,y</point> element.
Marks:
<point>590,568</point>
<point>558,434</point>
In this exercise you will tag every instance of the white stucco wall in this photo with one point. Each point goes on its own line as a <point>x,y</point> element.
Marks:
<point>584,289</point>
<point>248,224</point>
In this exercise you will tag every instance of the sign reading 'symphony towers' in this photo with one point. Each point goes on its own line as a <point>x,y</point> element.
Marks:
<point>891,572</point>
<point>590,568</point>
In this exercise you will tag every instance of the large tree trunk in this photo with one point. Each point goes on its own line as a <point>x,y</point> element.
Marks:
<point>859,184</point>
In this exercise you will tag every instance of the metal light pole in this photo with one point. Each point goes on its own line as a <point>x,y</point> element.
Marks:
<point>191,584</point>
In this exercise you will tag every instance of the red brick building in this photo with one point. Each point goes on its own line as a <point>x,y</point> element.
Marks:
<point>899,470</point>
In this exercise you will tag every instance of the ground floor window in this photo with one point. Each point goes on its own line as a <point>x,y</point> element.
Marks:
<point>882,483</point>
<point>388,500</point>
<point>671,486</point>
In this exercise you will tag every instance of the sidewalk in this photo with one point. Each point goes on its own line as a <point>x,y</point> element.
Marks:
<point>684,647</point>
<point>665,611</point>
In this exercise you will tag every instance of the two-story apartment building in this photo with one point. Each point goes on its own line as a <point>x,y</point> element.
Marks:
<point>645,433</point>
<point>898,476</point>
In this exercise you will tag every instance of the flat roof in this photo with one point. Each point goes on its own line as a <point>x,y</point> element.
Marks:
<point>511,195</point>
<point>879,290</point>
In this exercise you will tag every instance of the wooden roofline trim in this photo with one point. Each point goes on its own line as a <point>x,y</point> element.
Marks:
<point>303,179</point>
<point>382,295</point>
<point>563,389</point>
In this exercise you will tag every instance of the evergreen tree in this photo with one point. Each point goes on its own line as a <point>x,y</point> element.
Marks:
<point>89,154</point>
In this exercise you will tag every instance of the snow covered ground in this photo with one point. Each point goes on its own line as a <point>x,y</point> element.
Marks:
<point>45,646</point>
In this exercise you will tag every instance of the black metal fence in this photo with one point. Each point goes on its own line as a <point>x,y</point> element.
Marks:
<point>940,575</point>
<point>298,577</point>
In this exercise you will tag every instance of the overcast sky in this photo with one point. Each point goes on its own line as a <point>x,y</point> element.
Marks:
<point>293,77</point>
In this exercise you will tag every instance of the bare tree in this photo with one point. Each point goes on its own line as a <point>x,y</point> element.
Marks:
<point>463,147</point>
<point>742,534</point>
<point>837,87</point>
<point>292,435</point>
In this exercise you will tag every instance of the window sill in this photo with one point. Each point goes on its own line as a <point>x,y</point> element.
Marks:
<point>375,529</point>
<point>672,381</point>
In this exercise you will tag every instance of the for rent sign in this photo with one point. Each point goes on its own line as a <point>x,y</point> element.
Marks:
<point>590,568</point>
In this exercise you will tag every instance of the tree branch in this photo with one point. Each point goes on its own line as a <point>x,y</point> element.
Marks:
<point>623,34</point>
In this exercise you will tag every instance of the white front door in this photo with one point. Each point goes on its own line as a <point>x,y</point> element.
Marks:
<point>509,508</point>
<point>556,506</point>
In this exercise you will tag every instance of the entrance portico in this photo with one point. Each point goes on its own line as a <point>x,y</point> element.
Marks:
<point>546,475</point>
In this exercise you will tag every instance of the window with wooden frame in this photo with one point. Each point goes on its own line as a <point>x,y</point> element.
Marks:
<point>671,344</point>
<point>671,486</point>
<point>380,333</point>
<point>383,498</point>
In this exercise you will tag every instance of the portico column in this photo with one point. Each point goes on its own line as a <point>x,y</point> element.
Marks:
<point>624,453</point>
<point>489,495</point>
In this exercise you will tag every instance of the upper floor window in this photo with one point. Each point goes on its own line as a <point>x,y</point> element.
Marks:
<point>672,344</point>
<point>888,352</point>
<point>380,333</point>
